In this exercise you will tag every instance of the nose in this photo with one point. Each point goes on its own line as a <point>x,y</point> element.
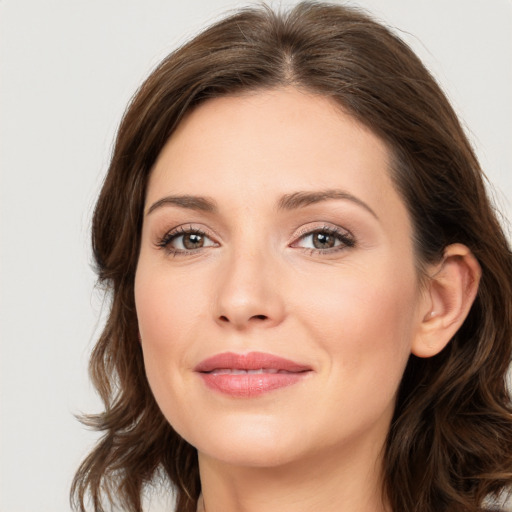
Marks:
<point>249,292</point>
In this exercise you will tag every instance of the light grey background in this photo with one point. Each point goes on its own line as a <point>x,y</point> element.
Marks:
<point>67,70</point>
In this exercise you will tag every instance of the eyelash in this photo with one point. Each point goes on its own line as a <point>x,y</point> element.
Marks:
<point>165,241</point>
<point>346,238</point>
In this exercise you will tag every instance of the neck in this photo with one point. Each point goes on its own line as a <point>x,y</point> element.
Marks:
<point>333,482</point>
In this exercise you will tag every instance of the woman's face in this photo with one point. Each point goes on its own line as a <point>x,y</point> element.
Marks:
<point>276,289</point>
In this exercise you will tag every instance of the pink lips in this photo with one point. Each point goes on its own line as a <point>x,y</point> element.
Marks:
<point>248,375</point>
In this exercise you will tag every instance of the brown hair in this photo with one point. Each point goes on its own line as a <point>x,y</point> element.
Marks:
<point>450,442</point>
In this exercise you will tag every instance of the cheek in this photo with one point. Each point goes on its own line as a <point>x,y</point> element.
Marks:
<point>168,313</point>
<point>163,313</point>
<point>169,304</point>
<point>364,322</point>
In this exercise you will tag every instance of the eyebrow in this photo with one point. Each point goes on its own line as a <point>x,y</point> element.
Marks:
<point>301,199</point>
<point>291,201</point>
<point>204,204</point>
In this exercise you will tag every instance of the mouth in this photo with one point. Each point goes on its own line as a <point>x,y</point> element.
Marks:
<point>239,371</point>
<point>249,375</point>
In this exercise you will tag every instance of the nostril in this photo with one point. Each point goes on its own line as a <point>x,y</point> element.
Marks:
<point>234,319</point>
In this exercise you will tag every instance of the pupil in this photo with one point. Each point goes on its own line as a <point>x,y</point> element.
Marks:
<point>192,241</point>
<point>323,241</point>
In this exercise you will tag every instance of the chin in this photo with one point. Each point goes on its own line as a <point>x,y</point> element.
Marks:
<point>249,443</point>
<point>259,455</point>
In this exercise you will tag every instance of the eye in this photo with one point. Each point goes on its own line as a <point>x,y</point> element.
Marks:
<point>325,240</point>
<point>185,240</point>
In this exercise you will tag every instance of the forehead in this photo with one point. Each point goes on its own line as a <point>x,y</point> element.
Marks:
<point>267,143</point>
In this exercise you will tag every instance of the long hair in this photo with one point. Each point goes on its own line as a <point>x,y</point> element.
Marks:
<point>450,442</point>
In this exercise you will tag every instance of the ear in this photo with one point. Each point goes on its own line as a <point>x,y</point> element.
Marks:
<point>450,292</point>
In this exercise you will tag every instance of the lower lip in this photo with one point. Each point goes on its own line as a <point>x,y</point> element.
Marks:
<point>250,385</point>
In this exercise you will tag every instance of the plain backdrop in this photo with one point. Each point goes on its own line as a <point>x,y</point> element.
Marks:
<point>67,70</point>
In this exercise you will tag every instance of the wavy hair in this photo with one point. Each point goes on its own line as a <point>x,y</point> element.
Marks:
<point>450,442</point>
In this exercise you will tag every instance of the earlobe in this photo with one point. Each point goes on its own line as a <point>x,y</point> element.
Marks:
<point>450,293</point>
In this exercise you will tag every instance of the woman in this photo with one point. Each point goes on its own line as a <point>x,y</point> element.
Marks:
<point>310,290</point>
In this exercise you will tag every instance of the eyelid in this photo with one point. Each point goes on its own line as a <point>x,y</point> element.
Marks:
<point>343,235</point>
<point>163,241</point>
<point>321,226</point>
<point>346,238</point>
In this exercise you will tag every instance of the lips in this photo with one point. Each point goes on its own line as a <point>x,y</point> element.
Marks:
<point>249,375</point>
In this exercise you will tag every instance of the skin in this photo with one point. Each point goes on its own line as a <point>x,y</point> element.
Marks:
<point>352,313</point>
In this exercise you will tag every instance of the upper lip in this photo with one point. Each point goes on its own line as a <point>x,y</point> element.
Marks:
<point>250,361</point>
